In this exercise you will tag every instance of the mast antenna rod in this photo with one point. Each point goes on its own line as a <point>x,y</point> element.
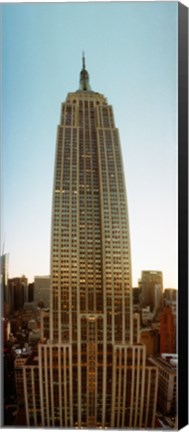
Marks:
<point>83,58</point>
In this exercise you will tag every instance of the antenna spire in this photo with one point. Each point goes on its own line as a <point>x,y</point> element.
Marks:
<point>84,77</point>
<point>83,59</point>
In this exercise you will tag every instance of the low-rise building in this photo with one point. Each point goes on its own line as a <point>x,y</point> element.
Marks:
<point>32,324</point>
<point>34,336</point>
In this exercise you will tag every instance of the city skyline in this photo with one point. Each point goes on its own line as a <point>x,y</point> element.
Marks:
<point>140,72</point>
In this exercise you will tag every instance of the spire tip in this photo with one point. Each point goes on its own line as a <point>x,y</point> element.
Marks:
<point>83,59</point>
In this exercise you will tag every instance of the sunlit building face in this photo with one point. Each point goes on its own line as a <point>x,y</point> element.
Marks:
<point>90,373</point>
<point>90,256</point>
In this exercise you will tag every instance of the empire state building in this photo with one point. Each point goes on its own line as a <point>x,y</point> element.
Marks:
<point>91,371</point>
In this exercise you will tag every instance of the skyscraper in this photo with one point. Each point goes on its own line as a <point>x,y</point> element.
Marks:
<point>151,284</point>
<point>90,372</point>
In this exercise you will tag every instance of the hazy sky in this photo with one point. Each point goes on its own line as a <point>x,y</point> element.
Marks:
<point>131,56</point>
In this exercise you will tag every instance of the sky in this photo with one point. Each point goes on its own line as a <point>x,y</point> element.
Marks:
<point>131,57</point>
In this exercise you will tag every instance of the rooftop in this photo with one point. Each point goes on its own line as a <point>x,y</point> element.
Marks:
<point>168,361</point>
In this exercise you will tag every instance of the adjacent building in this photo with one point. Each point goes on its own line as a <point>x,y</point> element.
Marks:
<point>30,292</point>
<point>17,293</point>
<point>42,291</point>
<point>170,296</point>
<point>151,284</point>
<point>92,371</point>
<point>146,316</point>
<point>136,299</point>
<point>4,267</point>
<point>167,331</point>
<point>170,299</point>
<point>21,357</point>
<point>8,378</point>
<point>150,338</point>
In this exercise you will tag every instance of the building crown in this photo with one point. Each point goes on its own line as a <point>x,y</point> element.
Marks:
<point>84,77</point>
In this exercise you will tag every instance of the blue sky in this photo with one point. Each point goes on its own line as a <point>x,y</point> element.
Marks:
<point>131,56</point>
